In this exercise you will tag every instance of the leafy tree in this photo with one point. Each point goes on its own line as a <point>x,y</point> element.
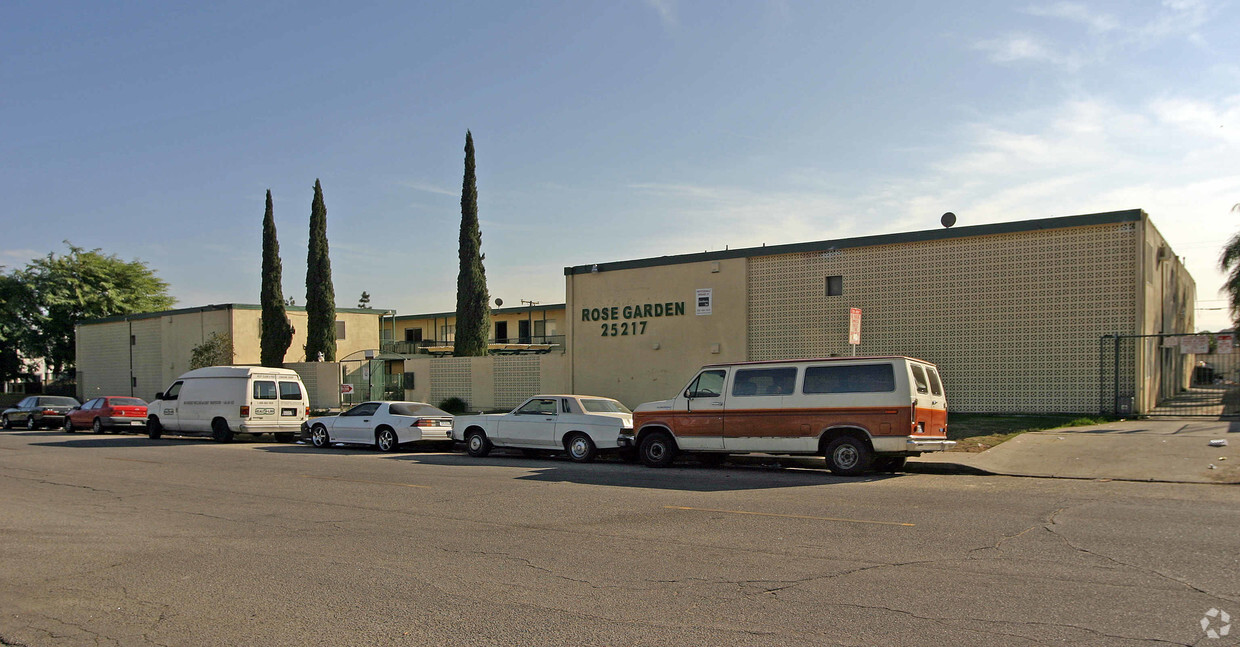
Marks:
<point>320,296</point>
<point>473,316</point>
<point>364,300</point>
<point>1229,262</point>
<point>276,332</point>
<point>14,299</point>
<point>215,350</point>
<point>64,290</point>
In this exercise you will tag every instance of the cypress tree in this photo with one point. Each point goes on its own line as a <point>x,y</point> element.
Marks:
<point>320,296</point>
<point>473,314</point>
<point>276,332</point>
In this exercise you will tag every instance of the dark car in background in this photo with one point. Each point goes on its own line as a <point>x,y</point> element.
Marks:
<point>111,412</point>
<point>39,411</point>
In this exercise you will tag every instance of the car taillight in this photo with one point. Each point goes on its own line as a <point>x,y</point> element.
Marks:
<point>426,423</point>
<point>245,411</point>
<point>307,412</point>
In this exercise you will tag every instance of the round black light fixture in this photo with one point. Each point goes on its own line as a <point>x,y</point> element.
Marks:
<point>948,219</point>
<point>499,302</point>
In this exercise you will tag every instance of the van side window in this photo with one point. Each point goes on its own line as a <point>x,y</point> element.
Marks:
<point>919,376</point>
<point>264,390</point>
<point>861,378</point>
<point>290,391</point>
<point>709,384</point>
<point>173,391</point>
<point>936,387</point>
<point>764,381</point>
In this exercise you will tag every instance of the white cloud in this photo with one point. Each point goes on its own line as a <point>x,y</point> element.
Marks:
<point>666,10</point>
<point>1074,12</point>
<point>1014,48</point>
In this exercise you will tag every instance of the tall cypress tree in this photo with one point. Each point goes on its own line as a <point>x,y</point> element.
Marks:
<point>276,332</point>
<point>473,315</point>
<point>320,296</point>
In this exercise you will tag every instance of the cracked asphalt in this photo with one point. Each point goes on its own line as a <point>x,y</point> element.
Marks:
<point>120,540</point>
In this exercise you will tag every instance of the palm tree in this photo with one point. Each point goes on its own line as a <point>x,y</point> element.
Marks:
<point>1229,261</point>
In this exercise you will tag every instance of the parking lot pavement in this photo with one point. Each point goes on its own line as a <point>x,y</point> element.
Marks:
<point>1171,451</point>
<point>119,539</point>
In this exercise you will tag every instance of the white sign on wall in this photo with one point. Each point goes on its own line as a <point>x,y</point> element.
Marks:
<point>705,297</point>
<point>1225,344</point>
<point>1199,344</point>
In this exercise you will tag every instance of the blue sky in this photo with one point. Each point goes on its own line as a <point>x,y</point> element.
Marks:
<point>604,131</point>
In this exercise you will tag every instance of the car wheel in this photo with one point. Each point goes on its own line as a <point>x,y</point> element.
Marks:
<point>477,444</point>
<point>8,424</point>
<point>658,450</point>
<point>889,463</point>
<point>848,456</point>
<point>385,440</point>
<point>220,431</point>
<point>580,448</point>
<point>96,426</point>
<point>319,437</point>
<point>68,425</point>
<point>153,428</point>
<point>31,424</point>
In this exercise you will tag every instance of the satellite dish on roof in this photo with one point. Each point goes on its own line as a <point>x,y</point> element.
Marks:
<point>948,219</point>
<point>499,301</point>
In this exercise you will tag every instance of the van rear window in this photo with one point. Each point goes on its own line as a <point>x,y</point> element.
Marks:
<point>919,376</point>
<point>858,378</point>
<point>764,381</point>
<point>290,391</point>
<point>936,387</point>
<point>264,390</point>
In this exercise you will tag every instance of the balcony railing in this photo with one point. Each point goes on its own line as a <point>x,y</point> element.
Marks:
<point>536,344</point>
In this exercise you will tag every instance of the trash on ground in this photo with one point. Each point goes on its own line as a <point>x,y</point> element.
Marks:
<point>1220,442</point>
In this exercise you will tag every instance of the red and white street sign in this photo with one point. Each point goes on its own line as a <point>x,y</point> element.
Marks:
<point>854,326</point>
<point>346,389</point>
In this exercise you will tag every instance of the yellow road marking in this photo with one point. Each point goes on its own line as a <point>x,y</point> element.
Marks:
<point>334,478</point>
<point>133,460</point>
<point>790,516</point>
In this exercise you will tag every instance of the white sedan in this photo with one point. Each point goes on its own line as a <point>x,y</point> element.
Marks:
<point>386,425</point>
<point>579,425</point>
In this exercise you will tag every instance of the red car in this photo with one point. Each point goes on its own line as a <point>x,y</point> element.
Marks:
<point>109,412</point>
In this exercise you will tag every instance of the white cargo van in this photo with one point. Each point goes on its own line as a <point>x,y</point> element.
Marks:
<point>222,400</point>
<point>858,412</point>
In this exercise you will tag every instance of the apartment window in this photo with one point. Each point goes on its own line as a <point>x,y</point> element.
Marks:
<point>339,330</point>
<point>133,340</point>
<point>835,286</point>
<point>413,334</point>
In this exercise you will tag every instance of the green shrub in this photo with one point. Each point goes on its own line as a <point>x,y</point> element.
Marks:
<point>454,406</point>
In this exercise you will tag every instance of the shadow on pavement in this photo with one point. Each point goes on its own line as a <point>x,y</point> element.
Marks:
<point>97,442</point>
<point>687,474</point>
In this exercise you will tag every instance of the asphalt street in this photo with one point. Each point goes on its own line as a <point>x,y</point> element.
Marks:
<point>121,540</point>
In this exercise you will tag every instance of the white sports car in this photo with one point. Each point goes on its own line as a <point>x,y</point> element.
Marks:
<point>579,425</point>
<point>386,425</point>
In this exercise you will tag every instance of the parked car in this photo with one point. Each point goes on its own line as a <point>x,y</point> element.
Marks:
<point>39,411</point>
<point>386,425</point>
<point>579,425</point>
<point>109,412</point>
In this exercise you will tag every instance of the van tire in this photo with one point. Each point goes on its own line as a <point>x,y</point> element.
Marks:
<point>477,444</point>
<point>889,463</point>
<point>319,437</point>
<point>849,456</point>
<point>220,431</point>
<point>658,450</point>
<point>153,428</point>
<point>386,440</point>
<point>580,448</point>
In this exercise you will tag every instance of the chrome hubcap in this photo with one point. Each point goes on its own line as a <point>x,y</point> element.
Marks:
<point>845,456</point>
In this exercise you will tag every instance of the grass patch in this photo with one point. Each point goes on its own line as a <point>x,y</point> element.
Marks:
<point>977,432</point>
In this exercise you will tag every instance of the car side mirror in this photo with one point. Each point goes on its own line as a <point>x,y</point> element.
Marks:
<point>159,396</point>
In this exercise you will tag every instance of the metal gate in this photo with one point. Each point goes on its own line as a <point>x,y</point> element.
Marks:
<point>1169,375</point>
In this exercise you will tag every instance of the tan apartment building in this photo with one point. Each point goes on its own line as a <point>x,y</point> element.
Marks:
<point>1012,313</point>
<point>140,354</point>
<point>527,324</point>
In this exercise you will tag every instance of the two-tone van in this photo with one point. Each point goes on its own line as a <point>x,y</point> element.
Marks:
<point>223,400</point>
<point>859,412</point>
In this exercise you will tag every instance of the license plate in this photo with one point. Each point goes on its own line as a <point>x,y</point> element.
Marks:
<point>288,412</point>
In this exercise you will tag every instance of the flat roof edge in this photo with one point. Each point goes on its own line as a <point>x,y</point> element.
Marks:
<point>1058,222</point>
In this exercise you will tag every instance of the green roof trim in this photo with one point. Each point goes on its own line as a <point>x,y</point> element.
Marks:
<point>1062,222</point>
<point>216,308</point>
